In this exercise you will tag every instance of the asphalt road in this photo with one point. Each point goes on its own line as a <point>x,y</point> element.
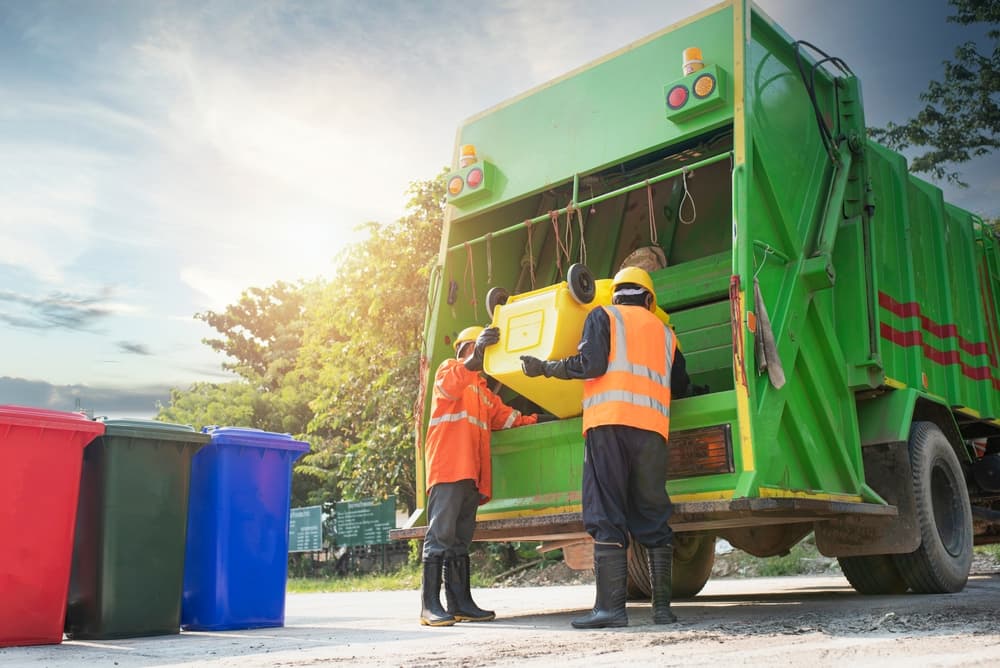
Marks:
<point>815,621</point>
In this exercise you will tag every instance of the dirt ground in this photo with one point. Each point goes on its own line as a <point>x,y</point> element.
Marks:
<point>796,621</point>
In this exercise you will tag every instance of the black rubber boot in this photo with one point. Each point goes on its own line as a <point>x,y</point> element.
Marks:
<point>611,573</point>
<point>660,563</point>
<point>431,612</point>
<point>458,592</point>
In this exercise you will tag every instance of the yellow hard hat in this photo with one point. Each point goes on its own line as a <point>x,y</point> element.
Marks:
<point>466,335</point>
<point>635,276</point>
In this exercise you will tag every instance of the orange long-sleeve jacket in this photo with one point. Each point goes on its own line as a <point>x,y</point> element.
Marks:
<point>463,413</point>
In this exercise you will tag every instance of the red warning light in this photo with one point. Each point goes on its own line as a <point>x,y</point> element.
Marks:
<point>475,178</point>
<point>677,97</point>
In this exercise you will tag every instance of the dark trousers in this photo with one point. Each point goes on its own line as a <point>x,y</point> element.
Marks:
<point>624,486</point>
<point>451,518</point>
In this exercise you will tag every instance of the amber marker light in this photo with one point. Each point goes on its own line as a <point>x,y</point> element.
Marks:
<point>703,86</point>
<point>467,155</point>
<point>695,452</point>
<point>455,185</point>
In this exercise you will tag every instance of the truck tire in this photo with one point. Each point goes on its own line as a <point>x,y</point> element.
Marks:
<point>694,556</point>
<point>639,587</point>
<point>941,564</point>
<point>873,575</point>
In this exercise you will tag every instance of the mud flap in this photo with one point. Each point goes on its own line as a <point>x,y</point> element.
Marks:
<point>887,471</point>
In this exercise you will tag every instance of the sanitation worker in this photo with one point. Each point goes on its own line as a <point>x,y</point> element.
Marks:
<point>459,477</point>
<point>631,366</point>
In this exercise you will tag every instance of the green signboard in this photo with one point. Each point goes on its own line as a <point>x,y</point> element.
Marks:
<point>305,529</point>
<point>364,522</point>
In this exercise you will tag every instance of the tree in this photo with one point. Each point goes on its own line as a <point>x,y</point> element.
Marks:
<point>262,332</point>
<point>362,348</point>
<point>261,335</point>
<point>336,364</point>
<point>961,118</point>
<point>204,404</point>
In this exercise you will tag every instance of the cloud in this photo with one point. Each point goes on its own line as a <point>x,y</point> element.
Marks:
<point>134,348</point>
<point>57,311</point>
<point>109,401</point>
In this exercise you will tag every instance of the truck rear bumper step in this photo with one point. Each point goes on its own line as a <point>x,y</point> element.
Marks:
<point>688,516</point>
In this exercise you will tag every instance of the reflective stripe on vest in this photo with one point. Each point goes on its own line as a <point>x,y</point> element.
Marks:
<point>632,384</point>
<point>458,417</point>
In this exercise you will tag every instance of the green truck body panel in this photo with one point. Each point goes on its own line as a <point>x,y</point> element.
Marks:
<point>878,293</point>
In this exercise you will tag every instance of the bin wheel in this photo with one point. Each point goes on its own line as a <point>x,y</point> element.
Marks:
<point>582,287</point>
<point>496,297</point>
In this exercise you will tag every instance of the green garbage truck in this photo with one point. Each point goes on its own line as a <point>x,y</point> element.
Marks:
<point>842,316</point>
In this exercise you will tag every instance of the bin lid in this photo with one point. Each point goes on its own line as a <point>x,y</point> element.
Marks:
<point>153,430</point>
<point>27,416</point>
<point>257,438</point>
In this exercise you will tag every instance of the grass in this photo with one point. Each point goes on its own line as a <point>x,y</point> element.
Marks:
<point>406,578</point>
<point>992,550</point>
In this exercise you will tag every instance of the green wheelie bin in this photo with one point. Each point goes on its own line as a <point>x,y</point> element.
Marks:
<point>128,552</point>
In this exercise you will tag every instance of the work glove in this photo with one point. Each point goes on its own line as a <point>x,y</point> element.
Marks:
<point>544,417</point>
<point>532,366</point>
<point>487,337</point>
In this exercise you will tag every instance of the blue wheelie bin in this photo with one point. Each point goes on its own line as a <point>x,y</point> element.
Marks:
<point>236,563</point>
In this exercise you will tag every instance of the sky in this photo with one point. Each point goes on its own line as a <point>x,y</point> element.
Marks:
<point>158,158</point>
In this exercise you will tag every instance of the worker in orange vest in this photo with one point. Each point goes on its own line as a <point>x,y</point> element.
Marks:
<point>459,478</point>
<point>631,367</point>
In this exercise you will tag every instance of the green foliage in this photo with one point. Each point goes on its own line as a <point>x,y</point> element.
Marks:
<point>261,333</point>
<point>333,363</point>
<point>961,118</point>
<point>231,404</point>
<point>361,349</point>
<point>992,550</point>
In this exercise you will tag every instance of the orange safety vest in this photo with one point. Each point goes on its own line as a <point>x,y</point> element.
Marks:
<point>463,413</point>
<point>635,390</point>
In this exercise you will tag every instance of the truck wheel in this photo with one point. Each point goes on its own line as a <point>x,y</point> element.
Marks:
<point>639,587</point>
<point>582,287</point>
<point>496,297</point>
<point>694,556</point>
<point>941,564</point>
<point>873,575</point>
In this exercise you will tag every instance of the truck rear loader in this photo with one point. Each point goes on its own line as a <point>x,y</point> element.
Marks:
<point>842,315</point>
